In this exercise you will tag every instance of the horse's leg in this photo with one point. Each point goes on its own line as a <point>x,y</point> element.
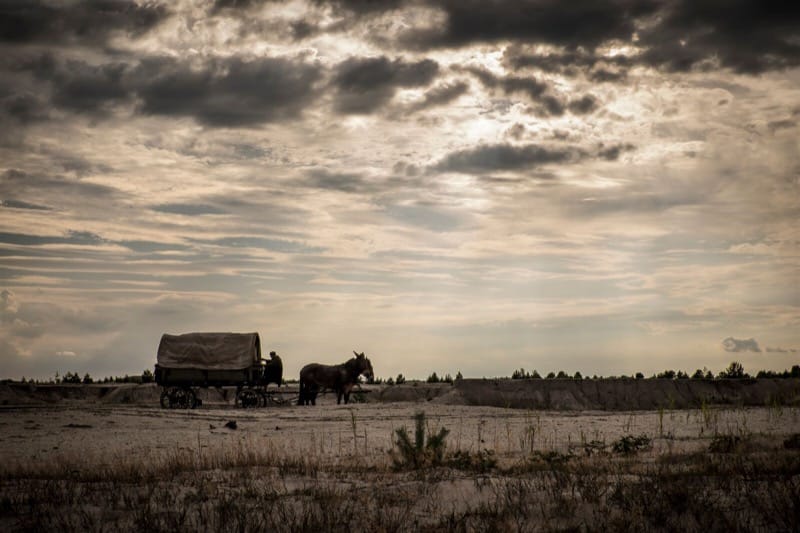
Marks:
<point>301,395</point>
<point>346,391</point>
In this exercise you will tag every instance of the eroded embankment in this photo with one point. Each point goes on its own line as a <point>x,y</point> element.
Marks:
<point>623,394</point>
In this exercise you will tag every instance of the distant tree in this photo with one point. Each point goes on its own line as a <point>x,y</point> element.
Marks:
<point>698,374</point>
<point>682,375</point>
<point>535,375</point>
<point>666,374</point>
<point>87,379</point>
<point>561,375</point>
<point>400,379</point>
<point>147,376</point>
<point>459,376</point>
<point>390,381</point>
<point>577,376</point>
<point>71,377</point>
<point>639,375</point>
<point>795,372</point>
<point>551,375</point>
<point>518,374</point>
<point>447,379</point>
<point>433,378</point>
<point>734,371</point>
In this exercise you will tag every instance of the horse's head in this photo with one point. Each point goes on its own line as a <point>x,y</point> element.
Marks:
<point>364,365</point>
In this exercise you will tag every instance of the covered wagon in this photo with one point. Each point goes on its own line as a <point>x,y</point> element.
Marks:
<point>190,361</point>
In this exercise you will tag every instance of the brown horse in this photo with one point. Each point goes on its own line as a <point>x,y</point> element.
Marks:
<point>340,378</point>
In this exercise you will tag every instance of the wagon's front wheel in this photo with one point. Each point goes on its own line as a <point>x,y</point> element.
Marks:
<point>164,399</point>
<point>179,398</point>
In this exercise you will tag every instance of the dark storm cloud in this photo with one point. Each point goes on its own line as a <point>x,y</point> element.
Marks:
<point>740,345</point>
<point>227,92</point>
<point>222,92</point>
<point>81,87</point>
<point>505,157</point>
<point>744,35</point>
<point>364,84</point>
<point>581,23</point>
<point>83,22</point>
<point>25,107</point>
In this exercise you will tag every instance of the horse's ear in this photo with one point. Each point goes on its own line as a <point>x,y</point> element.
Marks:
<point>355,353</point>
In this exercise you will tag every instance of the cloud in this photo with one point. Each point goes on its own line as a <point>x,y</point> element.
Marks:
<point>747,37</point>
<point>188,209</point>
<point>35,21</point>
<point>19,204</point>
<point>537,91</point>
<point>776,349</point>
<point>83,238</point>
<point>586,23</point>
<point>348,182</point>
<point>740,345</point>
<point>440,95</point>
<point>487,158</point>
<point>273,245</point>
<point>363,85</point>
<point>227,92</point>
<point>777,125</point>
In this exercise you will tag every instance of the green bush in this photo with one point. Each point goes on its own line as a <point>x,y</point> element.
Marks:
<point>420,452</point>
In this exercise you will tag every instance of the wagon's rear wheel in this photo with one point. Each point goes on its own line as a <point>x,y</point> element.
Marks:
<point>248,398</point>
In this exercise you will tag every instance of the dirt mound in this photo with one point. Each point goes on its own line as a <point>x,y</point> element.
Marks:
<point>626,394</point>
<point>409,392</point>
<point>150,394</point>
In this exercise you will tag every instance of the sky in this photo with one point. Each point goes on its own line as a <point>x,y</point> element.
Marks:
<point>446,185</point>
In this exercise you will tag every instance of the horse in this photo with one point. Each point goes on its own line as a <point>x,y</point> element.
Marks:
<point>340,378</point>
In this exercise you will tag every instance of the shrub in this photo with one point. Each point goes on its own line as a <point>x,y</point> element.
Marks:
<point>420,452</point>
<point>629,445</point>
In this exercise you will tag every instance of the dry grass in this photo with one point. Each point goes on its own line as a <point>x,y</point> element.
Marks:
<point>753,484</point>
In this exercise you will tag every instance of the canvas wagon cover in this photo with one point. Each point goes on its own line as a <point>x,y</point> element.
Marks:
<point>212,351</point>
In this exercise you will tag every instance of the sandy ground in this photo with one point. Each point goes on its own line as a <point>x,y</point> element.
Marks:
<point>96,433</point>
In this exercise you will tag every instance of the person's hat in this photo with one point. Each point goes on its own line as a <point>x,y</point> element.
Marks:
<point>272,353</point>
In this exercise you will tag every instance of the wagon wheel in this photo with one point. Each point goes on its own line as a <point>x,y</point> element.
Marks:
<point>164,400</point>
<point>182,398</point>
<point>247,398</point>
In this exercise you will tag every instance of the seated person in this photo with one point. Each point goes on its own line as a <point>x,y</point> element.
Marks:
<point>273,370</point>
